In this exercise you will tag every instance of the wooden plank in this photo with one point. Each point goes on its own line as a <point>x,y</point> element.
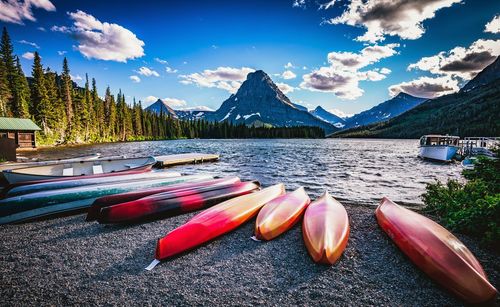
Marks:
<point>187,158</point>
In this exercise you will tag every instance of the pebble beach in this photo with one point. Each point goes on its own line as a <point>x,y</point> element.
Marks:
<point>67,261</point>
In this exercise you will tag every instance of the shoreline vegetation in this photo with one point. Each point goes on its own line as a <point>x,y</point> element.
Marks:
<point>473,207</point>
<point>69,114</point>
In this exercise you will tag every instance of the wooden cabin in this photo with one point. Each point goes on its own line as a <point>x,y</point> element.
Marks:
<point>21,130</point>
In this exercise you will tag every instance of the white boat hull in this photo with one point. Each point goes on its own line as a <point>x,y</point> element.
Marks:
<point>438,152</point>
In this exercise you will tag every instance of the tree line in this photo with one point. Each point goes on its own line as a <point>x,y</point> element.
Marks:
<point>67,113</point>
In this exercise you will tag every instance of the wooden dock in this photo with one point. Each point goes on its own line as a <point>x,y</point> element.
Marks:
<point>187,158</point>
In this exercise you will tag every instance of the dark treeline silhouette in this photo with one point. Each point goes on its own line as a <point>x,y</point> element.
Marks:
<point>71,114</point>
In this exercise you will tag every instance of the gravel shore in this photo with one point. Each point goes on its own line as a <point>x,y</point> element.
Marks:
<point>66,261</point>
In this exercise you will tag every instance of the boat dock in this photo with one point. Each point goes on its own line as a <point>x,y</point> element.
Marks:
<point>187,158</point>
<point>471,146</point>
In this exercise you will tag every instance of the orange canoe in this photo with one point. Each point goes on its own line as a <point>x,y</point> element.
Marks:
<point>280,214</point>
<point>325,229</point>
<point>436,252</point>
<point>215,222</point>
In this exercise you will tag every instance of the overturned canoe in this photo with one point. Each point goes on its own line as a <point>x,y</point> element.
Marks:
<point>173,203</point>
<point>435,251</point>
<point>86,194</point>
<point>115,199</point>
<point>215,222</point>
<point>14,190</point>
<point>16,165</point>
<point>280,214</point>
<point>325,229</point>
<point>75,170</point>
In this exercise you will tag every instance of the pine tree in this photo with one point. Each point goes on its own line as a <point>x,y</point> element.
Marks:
<point>98,112</point>
<point>5,93</point>
<point>84,108</point>
<point>7,53</point>
<point>57,119</point>
<point>67,97</point>
<point>22,98</point>
<point>41,108</point>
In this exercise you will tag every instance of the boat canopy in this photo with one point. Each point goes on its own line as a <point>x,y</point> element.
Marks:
<point>435,140</point>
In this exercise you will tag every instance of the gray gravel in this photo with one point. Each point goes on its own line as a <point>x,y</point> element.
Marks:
<point>67,261</point>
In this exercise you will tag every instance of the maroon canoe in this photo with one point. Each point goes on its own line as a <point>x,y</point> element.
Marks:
<point>110,200</point>
<point>173,203</point>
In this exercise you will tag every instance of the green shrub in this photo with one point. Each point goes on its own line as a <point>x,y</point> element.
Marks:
<point>473,207</point>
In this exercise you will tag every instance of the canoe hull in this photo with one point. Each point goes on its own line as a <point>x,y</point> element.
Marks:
<point>281,214</point>
<point>325,229</point>
<point>110,200</point>
<point>435,251</point>
<point>174,203</point>
<point>37,200</point>
<point>215,222</point>
<point>37,174</point>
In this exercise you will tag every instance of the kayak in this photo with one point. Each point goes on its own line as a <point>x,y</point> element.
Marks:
<point>36,200</point>
<point>325,229</point>
<point>280,214</point>
<point>16,165</point>
<point>173,203</point>
<point>115,199</point>
<point>14,190</point>
<point>435,251</point>
<point>215,221</point>
<point>75,170</point>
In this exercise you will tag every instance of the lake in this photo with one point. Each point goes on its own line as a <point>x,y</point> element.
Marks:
<point>358,170</point>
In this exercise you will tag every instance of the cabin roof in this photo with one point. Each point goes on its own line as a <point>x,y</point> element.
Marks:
<point>11,123</point>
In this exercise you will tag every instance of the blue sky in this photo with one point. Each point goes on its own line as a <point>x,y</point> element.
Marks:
<point>342,55</point>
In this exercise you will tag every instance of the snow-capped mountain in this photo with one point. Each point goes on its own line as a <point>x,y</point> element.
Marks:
<point>328,117</point>
<point>260,102</point>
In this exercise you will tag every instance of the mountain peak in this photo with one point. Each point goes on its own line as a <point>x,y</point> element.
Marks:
<point>489,74</point>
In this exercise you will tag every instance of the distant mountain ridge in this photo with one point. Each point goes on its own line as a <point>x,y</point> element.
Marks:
<point>384,111</point>
<point>259,102</point>
<point>328,117</point>
<point>487,75</point>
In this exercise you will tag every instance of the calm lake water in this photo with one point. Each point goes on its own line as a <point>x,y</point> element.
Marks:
<point>358,170</point>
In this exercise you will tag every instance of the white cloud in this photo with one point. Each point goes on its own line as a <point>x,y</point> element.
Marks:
<point>174,102</point>
<point>62,52</point>
<point>76,78</point>
<point>196,108</point>
<point>426,87</point>
<point>327,5</point>
<point>288,74</point>
<point>285,88</point>
<point>29,43</point>
<point>299,3</point>
<point>150,99</point>
<point>401,18</point>
<point>170,70</point>
<point>289,65</point>
<point>161,61</point>
<point>102,40</point>
<point>385,71</point>
<point>493,26</point>
<point>227,78</point>
<point>145,71</point>
<point>135,79</point>
<point>14,11</point>
<point>461,62</point>
<point>28,55</point>
<point>42,29</point>
<point>343,75</point>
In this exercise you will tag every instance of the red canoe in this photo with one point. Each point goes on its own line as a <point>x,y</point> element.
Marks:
<point>325,229</point>
<point>173,203</point>
<point>436,252</point>
<point>110,200</point>
<point>215,222</point>
<point>280,214</point>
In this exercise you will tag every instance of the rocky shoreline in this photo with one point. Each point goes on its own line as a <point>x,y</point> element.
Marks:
<point>68,261</point>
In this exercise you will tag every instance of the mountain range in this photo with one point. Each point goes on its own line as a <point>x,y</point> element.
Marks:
<point>473,111</point>
<point>259,102</point>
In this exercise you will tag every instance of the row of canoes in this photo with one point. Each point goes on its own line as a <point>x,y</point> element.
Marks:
<point>127,198</point>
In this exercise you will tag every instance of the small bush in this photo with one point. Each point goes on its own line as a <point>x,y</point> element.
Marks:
<point>473,207</point>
